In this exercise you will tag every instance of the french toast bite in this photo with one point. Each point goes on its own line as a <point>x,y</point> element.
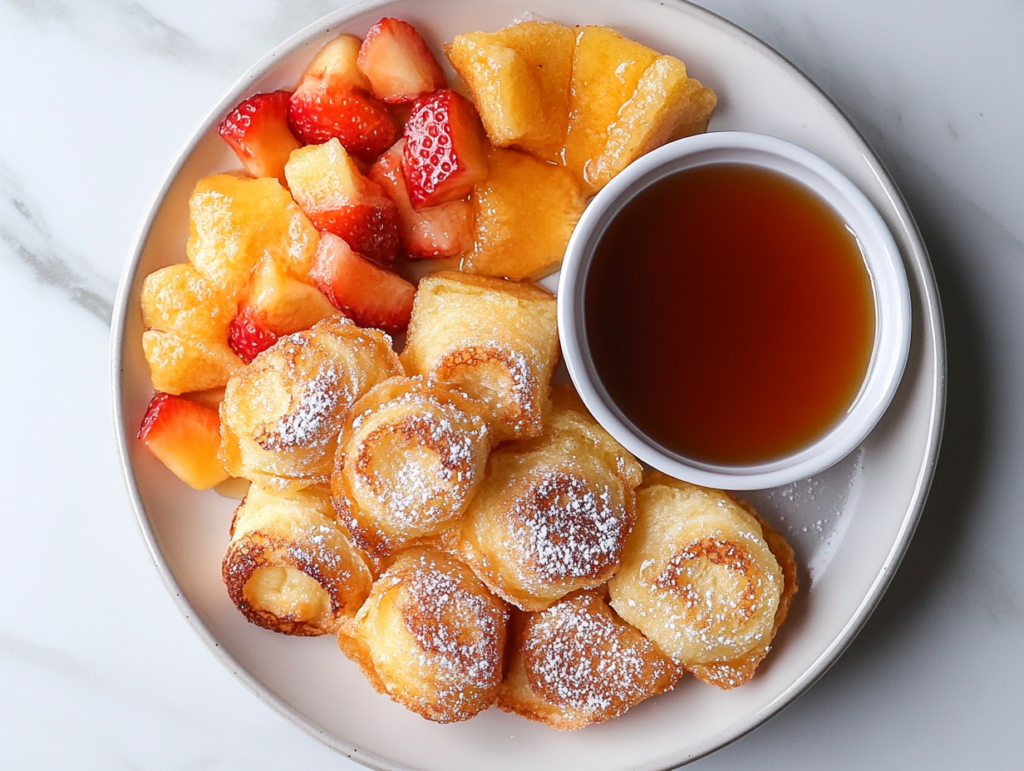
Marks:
<point>494,340</point>
<point>282,414</point>
<point>606,69</point>
<point>430,636</point>
<point>411,457</point>
<point>700,579</point>
<point>519,79</point>
<point>554,512</point>
<point>625,100</point>
<point>577,663</point>
<point>290,567</point>
<point>666,105</point>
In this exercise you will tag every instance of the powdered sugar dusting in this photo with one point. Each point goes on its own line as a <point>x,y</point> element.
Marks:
<point>459,633</point>
<point>317,546</point>
<point>578,657</point>
<point>418,491</point>
<point>412,462</point>
<point>515,402</point>
<point>567,529</point>
<point>312,420</point>
<point>717,593</point>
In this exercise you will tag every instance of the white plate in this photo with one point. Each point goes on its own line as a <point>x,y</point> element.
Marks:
<point>849,526</point>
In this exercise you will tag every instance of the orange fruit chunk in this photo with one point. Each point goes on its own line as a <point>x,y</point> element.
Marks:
<point>236,222</point>
<point>524,212</point>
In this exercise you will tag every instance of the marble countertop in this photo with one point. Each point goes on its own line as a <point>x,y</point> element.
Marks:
<point>99,670</point>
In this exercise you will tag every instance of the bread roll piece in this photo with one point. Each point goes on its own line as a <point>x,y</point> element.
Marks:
<point>282,414</point>
<point>290,567</point>
<point>430,636</point>
<point>577,663</point>
<point>411,456</point>
<point>701,577</point>
<point>494,340</point>
<point>553,513</point>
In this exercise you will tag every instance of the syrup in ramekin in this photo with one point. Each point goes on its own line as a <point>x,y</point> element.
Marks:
<point>730,314</point>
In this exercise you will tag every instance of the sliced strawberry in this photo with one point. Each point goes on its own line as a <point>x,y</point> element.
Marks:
<point>248,335</point>
<point>395,59</point>
<point>433,231</point>
<point>185,436</point>
<point>332,101</point>
<point>370,295</point>
<point>370,230</point>
<point>334,194</point>
<point>257,130</point>
<point>280,303</point>
<point>353,118</point>
<point>444,151</point>
<point>337,63</point>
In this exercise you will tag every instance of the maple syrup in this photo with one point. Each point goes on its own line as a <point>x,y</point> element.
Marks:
<point>730,314</point>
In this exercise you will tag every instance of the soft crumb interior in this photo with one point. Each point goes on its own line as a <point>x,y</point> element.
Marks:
<point>287,593</point>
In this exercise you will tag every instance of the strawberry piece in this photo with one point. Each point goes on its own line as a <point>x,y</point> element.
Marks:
<point>395,59</point>
<point>334,194</point>
<point>370,230</point>
<point>248,335</point>
<point>185,436</point>
<point>434,231</point>
<point>360,125</point>
<point>444,151</point>
<point>370,295</point>
<point>337,62</point>
<point>257,130</point>
<point>332,102</point>
<point>281,303</point>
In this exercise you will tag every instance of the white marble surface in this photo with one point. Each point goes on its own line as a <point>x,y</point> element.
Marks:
<point>98,669</point>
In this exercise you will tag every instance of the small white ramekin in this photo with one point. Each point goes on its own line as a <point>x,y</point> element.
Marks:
<point>888,282</point>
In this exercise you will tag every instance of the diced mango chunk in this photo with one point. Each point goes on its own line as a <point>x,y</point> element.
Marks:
<point>180,364</point>
<point>178,299</point>
<point>325,178</point>
<point>236,222</point>
<point>186,340</point>
<point>283,303</point>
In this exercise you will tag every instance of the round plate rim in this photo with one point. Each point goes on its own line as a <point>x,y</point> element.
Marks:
<point>932,314</point>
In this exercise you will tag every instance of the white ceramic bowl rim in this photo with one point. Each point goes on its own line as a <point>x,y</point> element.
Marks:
<point>885,268</point>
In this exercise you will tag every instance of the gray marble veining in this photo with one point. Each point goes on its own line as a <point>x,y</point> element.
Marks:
<point>118,23</point>
<point>26,239</point>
